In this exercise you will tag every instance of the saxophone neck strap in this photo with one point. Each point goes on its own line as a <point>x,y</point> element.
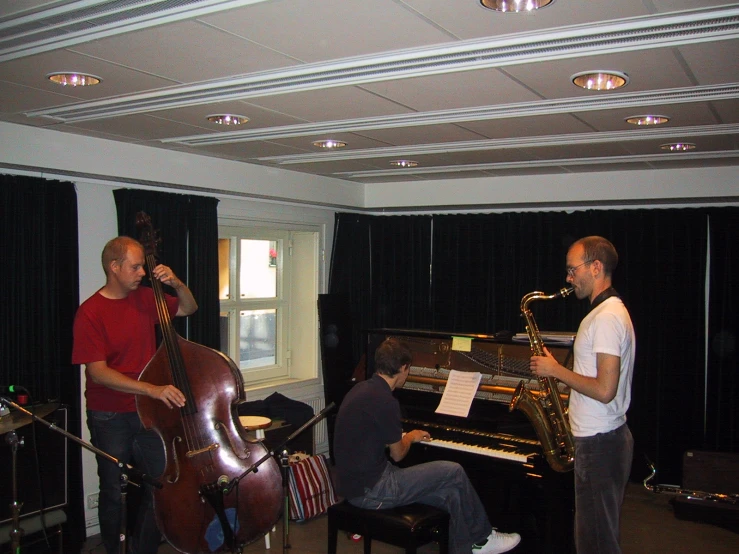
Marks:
<point>610,291</point>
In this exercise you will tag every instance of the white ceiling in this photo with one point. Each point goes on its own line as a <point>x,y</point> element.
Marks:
<point>462,90</point>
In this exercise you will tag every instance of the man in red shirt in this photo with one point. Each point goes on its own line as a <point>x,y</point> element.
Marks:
<point>114,336</point>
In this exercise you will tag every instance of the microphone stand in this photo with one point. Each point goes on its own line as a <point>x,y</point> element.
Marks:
<point>126,470</point>
<point>284,470</point>
<point>16,532</point>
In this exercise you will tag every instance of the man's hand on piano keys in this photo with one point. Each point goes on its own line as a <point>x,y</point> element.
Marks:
<point>417,435</point>
<point>399,450</point>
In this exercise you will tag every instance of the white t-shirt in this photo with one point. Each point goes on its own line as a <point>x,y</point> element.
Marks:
<point>607,329</point>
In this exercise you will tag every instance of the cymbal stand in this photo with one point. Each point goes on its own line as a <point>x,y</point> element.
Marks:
<point>15,507</point>
<point>126,470</point>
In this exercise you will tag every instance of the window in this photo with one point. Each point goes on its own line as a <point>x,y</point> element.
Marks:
<point>268,279</point>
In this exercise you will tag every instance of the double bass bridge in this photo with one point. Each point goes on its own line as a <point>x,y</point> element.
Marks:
<point>210,448</point>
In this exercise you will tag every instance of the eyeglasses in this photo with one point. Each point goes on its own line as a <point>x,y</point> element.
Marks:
<point>571,270</point>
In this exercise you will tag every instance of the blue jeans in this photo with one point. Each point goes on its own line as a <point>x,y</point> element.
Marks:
<point>441,484</point>
<point>602,467</point>
<point>122,436</point>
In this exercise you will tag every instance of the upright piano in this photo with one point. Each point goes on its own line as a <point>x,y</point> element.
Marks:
<point>498,448</point>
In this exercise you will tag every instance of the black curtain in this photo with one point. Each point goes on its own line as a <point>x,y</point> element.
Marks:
<point>483,264</point>
<point>187,226</point>
<point>39,296</point>
<point>350,274</point>
<point>723,323</point>
<point>400,272</point>
<point>383,269</point>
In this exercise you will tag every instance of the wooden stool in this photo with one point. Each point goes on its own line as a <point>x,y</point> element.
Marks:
<point>255,423</point>
<point>408,526</point>
<point>258,424</point>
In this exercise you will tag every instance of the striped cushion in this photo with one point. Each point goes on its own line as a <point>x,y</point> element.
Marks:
<point>311,490</point>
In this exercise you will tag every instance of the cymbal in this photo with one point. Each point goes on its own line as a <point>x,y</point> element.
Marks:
<point>16,418</point>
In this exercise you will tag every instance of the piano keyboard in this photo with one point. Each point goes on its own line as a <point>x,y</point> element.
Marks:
<point>513,455</point>
<point>493,445</point>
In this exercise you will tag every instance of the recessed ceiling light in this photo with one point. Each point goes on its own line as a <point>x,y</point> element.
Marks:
<point>600,80</point>
<point>404,163</point>
<point>72,79</point>
<point>515,5</point>
<point>227,119</point>
<point>647,119</point>
<point>329,144</point>
<point>678,146</point>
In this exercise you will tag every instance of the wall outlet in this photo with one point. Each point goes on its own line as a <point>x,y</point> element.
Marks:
<point>92,501</point>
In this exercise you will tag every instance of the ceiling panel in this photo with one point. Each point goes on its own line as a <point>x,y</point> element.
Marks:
<point>354,141</point>
<point>139,127</point>
<point>470,20</point>
<point>704,60</point>
<point>258,117</point>
<point>31,71</point>
<point>680,115</point>
<point>330,104</point>
<point>184,52</point>
<point>394,79</point>
<point>528,126</point>
<point>432,134</point>
<point>728,110</point>
<point>330,30</point>
<point>647,70</point>
<point>454,90</point>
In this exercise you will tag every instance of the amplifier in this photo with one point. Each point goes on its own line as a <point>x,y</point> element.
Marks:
<point>41,468</point>
<point>711,471</point>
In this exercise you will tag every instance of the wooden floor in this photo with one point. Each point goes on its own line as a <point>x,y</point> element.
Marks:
<point>649,526</point>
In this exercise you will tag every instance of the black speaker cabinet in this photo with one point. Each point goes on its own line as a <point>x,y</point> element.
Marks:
<point>336,345</point>
<point>711,471</point>
<point>41,468</point>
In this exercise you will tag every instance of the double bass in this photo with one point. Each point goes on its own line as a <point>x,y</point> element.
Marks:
<point>208,500</point>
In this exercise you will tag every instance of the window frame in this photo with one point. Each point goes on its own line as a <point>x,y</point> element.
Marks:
<point>299,267</point>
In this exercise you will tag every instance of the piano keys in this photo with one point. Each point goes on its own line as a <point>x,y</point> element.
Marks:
<point>498,449</point>
<point>493,445</point>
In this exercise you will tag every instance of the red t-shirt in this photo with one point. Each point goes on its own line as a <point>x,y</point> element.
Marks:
<point>122,333</point>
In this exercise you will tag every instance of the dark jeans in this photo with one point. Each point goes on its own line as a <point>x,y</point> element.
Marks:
<point>122,436</point>
<point>441,484</point>
<point>602,467</point>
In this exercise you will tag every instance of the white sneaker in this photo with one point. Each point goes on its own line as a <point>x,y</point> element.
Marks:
<point>497,543</point>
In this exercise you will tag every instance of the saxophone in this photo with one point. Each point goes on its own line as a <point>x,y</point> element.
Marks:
<point>547,412</point>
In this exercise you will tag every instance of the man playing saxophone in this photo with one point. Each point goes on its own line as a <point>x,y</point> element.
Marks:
<point>601,393</point>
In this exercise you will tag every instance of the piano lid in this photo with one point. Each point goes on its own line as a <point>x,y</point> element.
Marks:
<point>502,363</point>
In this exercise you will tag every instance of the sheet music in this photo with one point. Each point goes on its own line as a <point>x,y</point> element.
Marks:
<point>459,392</point>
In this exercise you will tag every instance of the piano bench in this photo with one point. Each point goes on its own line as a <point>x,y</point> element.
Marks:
<point>408,526</point>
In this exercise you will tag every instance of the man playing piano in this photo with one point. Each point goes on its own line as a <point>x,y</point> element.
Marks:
<point>601,393</point>
<point>368,426</point>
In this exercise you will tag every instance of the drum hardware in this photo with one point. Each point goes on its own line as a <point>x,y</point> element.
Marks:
<point>23,416</point>
<point>8,424</point>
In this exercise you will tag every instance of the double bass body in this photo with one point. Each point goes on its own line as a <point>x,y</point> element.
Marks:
<point>205,451</point>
